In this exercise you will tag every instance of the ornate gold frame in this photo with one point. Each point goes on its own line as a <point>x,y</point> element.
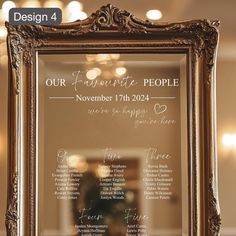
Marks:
<point>113,30</point>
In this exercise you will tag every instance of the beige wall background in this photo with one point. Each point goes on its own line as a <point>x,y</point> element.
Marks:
<point>173,10</point>
<point>3,147</point>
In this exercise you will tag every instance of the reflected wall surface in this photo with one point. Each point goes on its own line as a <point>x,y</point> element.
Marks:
<point>112,151</point>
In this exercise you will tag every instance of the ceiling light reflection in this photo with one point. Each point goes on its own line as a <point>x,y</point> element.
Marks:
<point>121,71</point>
<point>154,14</point>
<point>115,56</point>
<point>74,6</point>
<point>102,57</point>
<point>99,72</point>
<point>90,57</point>
<point>103,171</point>
<point>6,6</point>
<point>77,162</point>
<point>229,140</point>
<point>93,73</point>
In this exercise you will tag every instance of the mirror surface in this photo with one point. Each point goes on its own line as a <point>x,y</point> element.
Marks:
<point>112,144</point>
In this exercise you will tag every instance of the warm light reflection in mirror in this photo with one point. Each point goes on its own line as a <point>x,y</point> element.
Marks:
<point>229,140</point>
<point>227,146</point>
<point>78,163</point>
<point>6,6</point>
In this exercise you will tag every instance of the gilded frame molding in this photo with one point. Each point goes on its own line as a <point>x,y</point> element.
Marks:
<point>103,31</point>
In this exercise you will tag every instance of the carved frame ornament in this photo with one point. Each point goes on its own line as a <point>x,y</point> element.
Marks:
<point>99,33</point>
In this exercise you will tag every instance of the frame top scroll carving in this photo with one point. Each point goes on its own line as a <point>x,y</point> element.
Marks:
<point>111,19</point>
<point>201,35</point>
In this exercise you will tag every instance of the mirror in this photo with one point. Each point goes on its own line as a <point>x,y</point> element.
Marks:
<point>111,128</point>
<point>112,144</point>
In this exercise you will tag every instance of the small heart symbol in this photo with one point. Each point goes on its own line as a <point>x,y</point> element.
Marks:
<point>158,109</point>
